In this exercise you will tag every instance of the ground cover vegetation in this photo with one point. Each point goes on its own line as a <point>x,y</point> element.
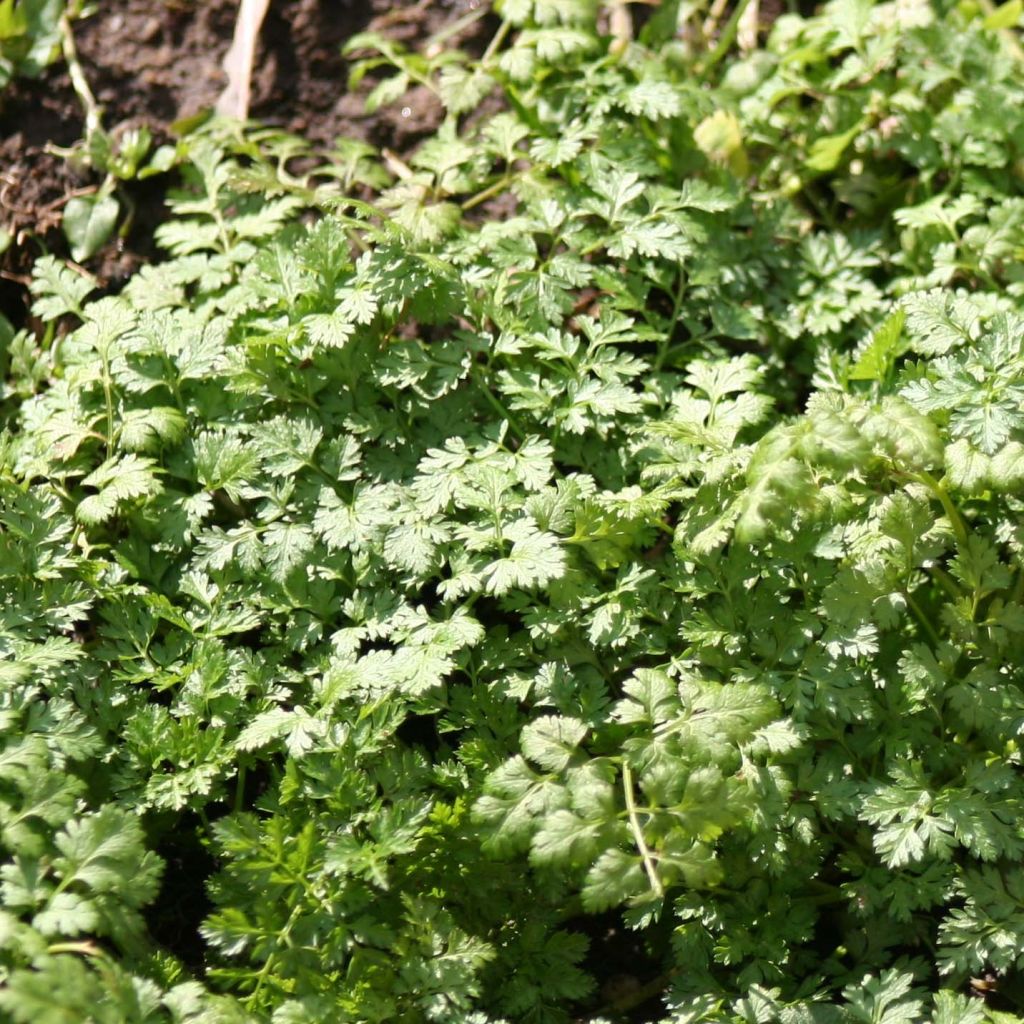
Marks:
<point>573,573</point>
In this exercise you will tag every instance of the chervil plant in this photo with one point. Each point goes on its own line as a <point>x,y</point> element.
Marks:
<point>573,574</point>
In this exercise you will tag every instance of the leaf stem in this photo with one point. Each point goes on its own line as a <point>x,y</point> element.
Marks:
<point>666,347</point>
<point>945,581</point>
<point>283,938</point>
<point>93,111</point>
<point>952,513</point>
<point>491,190</point>
<point>86,948</point>
<point>108,398</point>
<point>240,787</point>
<point>638,996</point>
<point>496,40</point>
<point>499,408</point>
<point>922,619</point>
<point>435,43</point>
<point>638,832</point>
<point>725,40</point>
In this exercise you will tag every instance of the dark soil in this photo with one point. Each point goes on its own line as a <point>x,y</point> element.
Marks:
<point>153,62</point>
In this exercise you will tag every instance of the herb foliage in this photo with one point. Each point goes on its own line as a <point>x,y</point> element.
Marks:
<point>29,37</point>
<point>611,516</point>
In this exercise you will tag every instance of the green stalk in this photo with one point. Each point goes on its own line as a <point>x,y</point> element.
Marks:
<point>240,787</point>
<point>727,38</point>
<point>108,399</point>
<point>945,581</point>
<point>500,409</point>
<point>491,190</point>
<point>665,348</point>
<point>82,948</point>
<point>638,832</point>
<point>952,513</point>
<point>495,43</point>
<point>922,619</point>
<point>435,43</point>
<point>93,111</point>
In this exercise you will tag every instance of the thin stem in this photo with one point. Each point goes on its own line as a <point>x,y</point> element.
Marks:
<point>93,111</point>
<point>108,399</point>
<point>435,43</point>
<point>283,938</point>
<point>333,482</point>
<point>240,787</point>
<point>492,190</point>
<point>925,623</point>
<point>222,225</point>
<point>501,410</point>
<point>84,948</point>
<point>425,80</point>
<point>945,581</point>
<point>952,513</point>
<point>725,40</point>
<point>715,13</point>
<point>637,996</point>
<point>677,306</point>
<point>638,832</point>
<point>496,41</point>
<point>201,814</point>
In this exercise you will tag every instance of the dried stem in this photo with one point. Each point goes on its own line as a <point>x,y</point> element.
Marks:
<point>234,100</point>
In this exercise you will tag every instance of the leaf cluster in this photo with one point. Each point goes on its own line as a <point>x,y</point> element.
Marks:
<point>29,37</point>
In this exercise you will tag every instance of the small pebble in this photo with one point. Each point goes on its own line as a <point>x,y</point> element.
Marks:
<point>150,30</point>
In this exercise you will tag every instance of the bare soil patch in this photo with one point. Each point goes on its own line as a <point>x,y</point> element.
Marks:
<point>153,62</point>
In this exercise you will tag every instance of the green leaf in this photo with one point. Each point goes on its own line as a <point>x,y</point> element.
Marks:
<point>1006,15</point>
<point>615,877</point>
<point>876,361</point>
<point>551,742</point>
<point>88,222</point>
<point>826,153</point>
<point>952,1008</point>
<point>910,439</point>
<point>116,482</point>
<point>534,560</point>
<point>937,321</point>
<point>58,290</point>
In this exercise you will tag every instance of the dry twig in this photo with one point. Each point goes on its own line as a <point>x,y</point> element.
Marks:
<point>238,62</point>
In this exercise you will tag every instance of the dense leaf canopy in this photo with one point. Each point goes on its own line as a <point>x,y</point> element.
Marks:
<point>577,575</point>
